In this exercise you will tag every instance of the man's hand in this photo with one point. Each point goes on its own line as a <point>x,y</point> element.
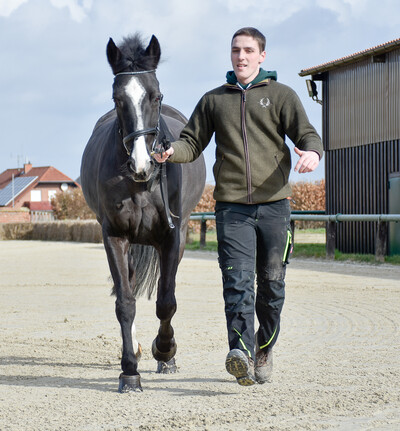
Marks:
<point>162,157</point>
<point>308,162</point>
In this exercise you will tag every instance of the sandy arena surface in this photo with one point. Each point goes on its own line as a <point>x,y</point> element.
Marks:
<point>337,361</point>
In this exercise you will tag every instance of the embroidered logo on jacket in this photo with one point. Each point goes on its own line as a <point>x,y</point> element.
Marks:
<point>265,102</point>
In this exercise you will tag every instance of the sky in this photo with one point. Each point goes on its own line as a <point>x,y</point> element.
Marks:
<point>55,81</point>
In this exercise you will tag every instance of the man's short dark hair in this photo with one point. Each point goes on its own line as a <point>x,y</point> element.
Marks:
<point>254,33</point>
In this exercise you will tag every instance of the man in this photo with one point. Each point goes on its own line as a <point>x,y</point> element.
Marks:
<point>251,115</point>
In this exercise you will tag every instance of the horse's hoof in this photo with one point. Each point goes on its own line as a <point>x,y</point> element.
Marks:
<point>169,367</point>
<point>129,384</point>
<point>163,356</point>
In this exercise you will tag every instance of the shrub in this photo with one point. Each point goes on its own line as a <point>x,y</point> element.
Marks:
<point>308,196</point>
<point>71,205</point>
<point>206,204</point>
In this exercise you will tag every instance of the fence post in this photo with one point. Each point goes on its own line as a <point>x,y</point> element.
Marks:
<point>381,241</point>
<point>203,231</point>
<point>330,239</point>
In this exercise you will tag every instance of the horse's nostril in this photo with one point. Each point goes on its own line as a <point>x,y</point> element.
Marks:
<point>131,166</point>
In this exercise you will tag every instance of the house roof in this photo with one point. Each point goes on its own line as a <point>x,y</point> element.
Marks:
<point>376,50</point>
<point>45,174</point>
<point>14,188</point>
<point>29,177</point>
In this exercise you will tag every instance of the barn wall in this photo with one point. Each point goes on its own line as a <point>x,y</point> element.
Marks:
<point>357,183</point>
<point>364,103</point>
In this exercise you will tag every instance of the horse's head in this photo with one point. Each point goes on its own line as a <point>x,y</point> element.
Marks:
<point>137,98</point>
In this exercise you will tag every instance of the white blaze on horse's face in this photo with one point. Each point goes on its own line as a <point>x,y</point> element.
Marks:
<point>136,93</point>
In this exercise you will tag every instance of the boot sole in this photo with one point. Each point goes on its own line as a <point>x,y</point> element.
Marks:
<point>238,367</point>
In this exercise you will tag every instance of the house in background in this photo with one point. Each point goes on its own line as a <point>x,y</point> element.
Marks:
<point>30,188</point>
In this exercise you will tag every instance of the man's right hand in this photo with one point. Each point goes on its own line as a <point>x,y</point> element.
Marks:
<point>162,157</point>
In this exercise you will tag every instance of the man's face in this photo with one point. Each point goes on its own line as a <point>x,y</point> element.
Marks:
<point>246,58</point>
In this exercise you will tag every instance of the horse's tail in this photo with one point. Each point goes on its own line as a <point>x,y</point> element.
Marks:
<point>144,263</point>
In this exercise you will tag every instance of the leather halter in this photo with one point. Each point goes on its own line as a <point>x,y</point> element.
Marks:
<point>137,133</point>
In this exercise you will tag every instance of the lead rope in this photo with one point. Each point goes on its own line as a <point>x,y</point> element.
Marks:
<point>163,183</point>
<point>164,195</point>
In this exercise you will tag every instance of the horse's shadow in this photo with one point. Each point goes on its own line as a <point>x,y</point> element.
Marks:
<point>102,384</point>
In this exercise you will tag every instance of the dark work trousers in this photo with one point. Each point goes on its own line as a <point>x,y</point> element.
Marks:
<point>253,239</point>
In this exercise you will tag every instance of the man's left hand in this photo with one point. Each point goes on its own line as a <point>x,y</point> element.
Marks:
<point>308,162</point>
<point>162,157</point>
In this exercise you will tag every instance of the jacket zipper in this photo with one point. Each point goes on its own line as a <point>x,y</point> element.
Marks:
<point>246,148</point>
<point>245,142</point>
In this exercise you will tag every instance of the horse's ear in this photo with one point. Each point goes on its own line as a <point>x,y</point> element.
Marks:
<point>154,50</point>
<point>114,55</point>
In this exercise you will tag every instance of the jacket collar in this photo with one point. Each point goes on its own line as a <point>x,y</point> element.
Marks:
<point>263,75</point>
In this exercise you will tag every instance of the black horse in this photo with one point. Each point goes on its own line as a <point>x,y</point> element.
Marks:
<point>143,207</point>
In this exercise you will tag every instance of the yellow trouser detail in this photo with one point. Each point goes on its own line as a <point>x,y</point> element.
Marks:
<point>242,343</point>
<point>288,242</point>
<point>269,341</point>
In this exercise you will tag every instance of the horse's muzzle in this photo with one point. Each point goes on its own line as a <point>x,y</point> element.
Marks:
<point>139,176</point>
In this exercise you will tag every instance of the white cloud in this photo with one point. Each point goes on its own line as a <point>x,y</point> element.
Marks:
<point>344,9</point>
<point>7,7</point>
<point>77,9</point>
<point>272,11</point>
<point>367,11</point>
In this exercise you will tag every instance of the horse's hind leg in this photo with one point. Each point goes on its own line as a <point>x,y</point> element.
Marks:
<point>164,346</point>
<point>125,308</point>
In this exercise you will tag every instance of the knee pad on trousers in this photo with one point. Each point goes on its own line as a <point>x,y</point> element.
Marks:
<point>238,290</point>
<point>271,287</point>
<point>268,275</point>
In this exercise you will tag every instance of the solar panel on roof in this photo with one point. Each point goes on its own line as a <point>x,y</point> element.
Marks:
<point>14,188</point>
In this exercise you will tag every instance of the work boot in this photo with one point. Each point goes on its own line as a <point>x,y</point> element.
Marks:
<point>241,366</point>
<point>263,366</point>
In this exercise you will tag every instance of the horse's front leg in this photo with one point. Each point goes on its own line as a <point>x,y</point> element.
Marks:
<point>117,250</point>
<point>164,345</point>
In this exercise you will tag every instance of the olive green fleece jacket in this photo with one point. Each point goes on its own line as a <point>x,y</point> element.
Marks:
<point>252,159</point>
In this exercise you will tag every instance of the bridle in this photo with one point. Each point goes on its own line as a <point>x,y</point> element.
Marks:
<point>150,131</point>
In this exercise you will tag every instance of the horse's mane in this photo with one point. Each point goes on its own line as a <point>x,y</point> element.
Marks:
<point>134,53</point>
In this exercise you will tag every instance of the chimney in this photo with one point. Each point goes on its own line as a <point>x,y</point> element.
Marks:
<point>27,167</point>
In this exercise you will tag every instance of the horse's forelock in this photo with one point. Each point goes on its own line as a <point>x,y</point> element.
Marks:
<point>134,54</point>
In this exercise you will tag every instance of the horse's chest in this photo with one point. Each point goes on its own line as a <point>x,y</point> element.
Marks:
<point>134,217</point>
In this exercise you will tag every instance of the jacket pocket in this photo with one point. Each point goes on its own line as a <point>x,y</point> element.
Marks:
<point>278,165</point>
<point>217,170</point>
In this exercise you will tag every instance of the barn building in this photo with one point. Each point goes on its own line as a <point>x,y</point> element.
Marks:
<point>361,135</point>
